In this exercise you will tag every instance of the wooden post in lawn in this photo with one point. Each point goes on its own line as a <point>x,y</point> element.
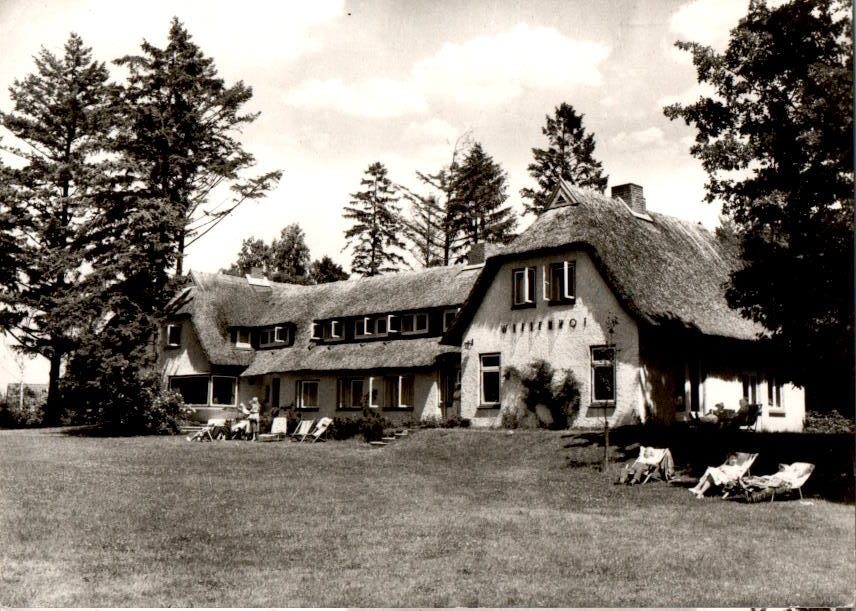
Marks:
<point>611,323</point>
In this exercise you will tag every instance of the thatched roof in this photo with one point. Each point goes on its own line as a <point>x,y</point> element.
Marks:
<point>216,303</point>
<point>375,355</point>
<point>665,271</point>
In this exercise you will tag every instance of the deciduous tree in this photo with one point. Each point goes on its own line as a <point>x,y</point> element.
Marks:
<point>376,223</point>
<point>290,258</point>
<point>776,141</point>
<point>569,156</point>
<point>326,270</point>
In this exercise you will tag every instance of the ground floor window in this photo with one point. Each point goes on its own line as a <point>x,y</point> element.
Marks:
<point>750,387</point>
<point>398,391</point>
<point>206,390</point>
<point>603,374</point>
<point>307,393</point>
<point>490,371</point>
<point>774,393</point>
<point>350,392</point>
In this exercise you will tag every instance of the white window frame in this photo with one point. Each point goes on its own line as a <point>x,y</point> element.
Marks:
<point>749,381</point>
<point>301,384</point>
<point>316,331</point>
<point>234,391</point>
<point>333,330</point>
<point>398,400</point>
<point>274,336</point>
<point>527,288</point>
<point>446,322</point>
<point>372,400</point>
<point>390,318</point>
<point>596,363</point>
<point>490,369</point>
<point>568,273</point>
<point>169,329</point>
<point>414,330</point>
<point>238,342</point>
<point>280,334</point>
<point>356,401</point>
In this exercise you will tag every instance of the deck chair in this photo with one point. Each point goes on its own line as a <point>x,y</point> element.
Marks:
<point>213,429</point>
<point>787,479</point>
<point>320,429</point>
<point>726,476</point>
<point>303,429</point>
<point>651,462</point>
<point>278,430</point>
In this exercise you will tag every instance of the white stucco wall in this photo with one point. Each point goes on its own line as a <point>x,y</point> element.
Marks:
<point>567,345</point>
<point>188,359</point>
<point>425,394</point>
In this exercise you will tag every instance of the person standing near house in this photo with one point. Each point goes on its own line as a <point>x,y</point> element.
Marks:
<point>253,417</point>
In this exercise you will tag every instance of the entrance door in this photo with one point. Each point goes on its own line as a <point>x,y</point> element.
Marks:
<point>449,382</point>
<point>274,391</point>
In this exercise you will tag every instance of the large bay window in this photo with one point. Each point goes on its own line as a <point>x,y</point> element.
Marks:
<point>206,390</point>
<point>490,378</point>
<point>523,287</point>
<point>603,375</point>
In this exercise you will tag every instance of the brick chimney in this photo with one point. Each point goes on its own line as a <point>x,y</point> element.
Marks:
<point>632,196</point>
<point>477,254</point>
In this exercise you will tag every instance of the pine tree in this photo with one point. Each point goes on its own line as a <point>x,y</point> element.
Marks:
<point>63,114</point>
<point>569,157</point>
<point>179,136</point>
<point>444,182</point>
<point>479,211</point>
<point>424,229</point>
<point>376,216</point>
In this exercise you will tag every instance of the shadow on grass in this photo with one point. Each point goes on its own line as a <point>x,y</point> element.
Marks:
<point>695,448</point>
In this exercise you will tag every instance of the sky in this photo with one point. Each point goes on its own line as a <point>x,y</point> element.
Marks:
<point>340,85</point>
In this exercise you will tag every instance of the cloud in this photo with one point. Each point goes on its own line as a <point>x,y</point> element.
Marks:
<point>708,22</point>
<point>375,98</point>
<point>485,71</point>
<point>432,131</point>
<point>491,70</point>
<point>652,137</point>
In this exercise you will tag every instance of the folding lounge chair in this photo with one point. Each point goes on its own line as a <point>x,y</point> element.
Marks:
<point>303,429</point>
<point>787,479</point>
<point>278,430</point>
<point>651,462</point>
<point>320,429</point>
<point>725,476</point>
<point>215,427</point>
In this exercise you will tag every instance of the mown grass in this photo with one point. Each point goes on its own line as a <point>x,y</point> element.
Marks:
<point>445,518</point>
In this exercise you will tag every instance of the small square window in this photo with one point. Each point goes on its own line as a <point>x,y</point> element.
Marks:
<point>523,286</point>
<point>173,336</point>
<point>449,317</point>
<point>603,374</point>
<point>280,335</point>
<point>242,338</point>
<point>559,282</point>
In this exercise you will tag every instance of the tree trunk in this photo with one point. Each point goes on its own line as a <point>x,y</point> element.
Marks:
<point>52,406</point>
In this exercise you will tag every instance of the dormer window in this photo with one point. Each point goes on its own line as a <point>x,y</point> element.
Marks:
<point>449,317</point>
<point>173,335</point>
<point>523,287</point>
<point>316,331</point>
<point>242,338</point>
<point>273,336</point>
<point>414,323</point>
<point>559,282</point>
<point>393,323</point>
<point>363,327</point>
<point>333,330</point>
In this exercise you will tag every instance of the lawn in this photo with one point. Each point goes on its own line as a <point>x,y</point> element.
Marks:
<point>445,518</point>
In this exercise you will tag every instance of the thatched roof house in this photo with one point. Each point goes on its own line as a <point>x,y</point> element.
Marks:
<point>665,271</point>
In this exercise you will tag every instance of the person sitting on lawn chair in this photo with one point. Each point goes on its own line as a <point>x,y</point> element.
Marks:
<point>250,426</point>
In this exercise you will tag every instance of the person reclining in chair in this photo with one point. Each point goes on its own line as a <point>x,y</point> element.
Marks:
<point>729,471</point>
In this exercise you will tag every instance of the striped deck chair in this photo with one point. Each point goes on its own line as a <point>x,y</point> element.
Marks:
<point>651,462</point>
<point>303,429</point>
<point>320,429</point>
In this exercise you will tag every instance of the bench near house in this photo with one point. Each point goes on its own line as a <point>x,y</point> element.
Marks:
<point>631,301</point>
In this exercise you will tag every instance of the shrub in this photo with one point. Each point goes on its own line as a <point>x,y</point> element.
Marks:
<point>542,385</point>
<point>344,428</point>
<point>373,425</point>
<point>32,413</point>
<point>831,422</point>
<point>456,422</point>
